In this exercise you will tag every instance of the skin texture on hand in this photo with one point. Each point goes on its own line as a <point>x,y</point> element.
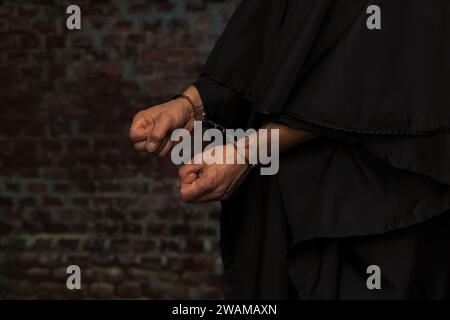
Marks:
<point>210,182</point>
<point>151,128</point>
<point>150,132</point>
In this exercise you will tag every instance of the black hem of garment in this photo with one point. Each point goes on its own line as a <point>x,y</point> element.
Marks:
<point>331,124</point>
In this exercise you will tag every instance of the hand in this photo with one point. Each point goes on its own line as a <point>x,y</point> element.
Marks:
<point>211,182</point>
<point>151,128</point>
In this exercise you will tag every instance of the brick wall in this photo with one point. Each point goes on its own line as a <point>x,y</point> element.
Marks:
<point>72,188</point>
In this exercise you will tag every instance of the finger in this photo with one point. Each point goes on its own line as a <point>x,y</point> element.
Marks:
<point>152,145</point>
<point>158,133</point>
<point>161,128</point>
<point>161,144</point>
<point>188,180</point>
<point>138,134</point>
<point>191,177</point>
<point>140,127</point>
<point>219,194</point>
<point>187,169</point>
<point>165,148</point>
<point>190,192</point>
<point>208,197</point>
<point>201,186</point>
<point>140,146</point>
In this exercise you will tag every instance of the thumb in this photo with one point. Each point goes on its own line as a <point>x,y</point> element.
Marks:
<point>189,173</point>
<point>191,177</point>
<point>161,128</point>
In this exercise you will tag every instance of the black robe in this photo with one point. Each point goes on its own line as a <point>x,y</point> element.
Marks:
<point>374,188</point>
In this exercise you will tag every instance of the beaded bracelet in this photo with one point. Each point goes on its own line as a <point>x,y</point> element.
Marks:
<point>199,112</point>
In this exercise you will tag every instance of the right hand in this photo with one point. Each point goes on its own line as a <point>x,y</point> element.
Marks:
<point>151,128</point>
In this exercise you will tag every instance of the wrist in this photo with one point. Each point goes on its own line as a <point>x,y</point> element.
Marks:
<point>193,93</point>
<point>184,106</point>
<point>192,102</point>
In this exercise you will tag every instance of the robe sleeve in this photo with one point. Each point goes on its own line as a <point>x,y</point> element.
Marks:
<point>378,98</point>
<point>223,105</point>
<point>316,65</point>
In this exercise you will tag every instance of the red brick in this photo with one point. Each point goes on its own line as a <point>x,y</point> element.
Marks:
<point>80,193</point>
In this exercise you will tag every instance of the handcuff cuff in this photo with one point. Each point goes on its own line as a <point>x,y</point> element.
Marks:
<point>200,115</point>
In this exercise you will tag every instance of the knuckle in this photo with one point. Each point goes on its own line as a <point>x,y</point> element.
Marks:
<point>220,192</point>
<point>150,147</point>
<point>209,185</point>
<point>158,135</point>
<point>219,195</point>
<point>185,197</point>
<point>131,133</point>
<point>181,171</point>
<point>138,116</point>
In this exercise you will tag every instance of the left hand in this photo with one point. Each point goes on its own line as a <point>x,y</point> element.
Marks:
<point>210,182</point>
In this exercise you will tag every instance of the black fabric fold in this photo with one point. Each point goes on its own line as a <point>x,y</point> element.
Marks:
<point>222,105</point>
<point>428,155</point>
<point>336,189</point>
<point>316,60</point>
<point>378,99</point>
